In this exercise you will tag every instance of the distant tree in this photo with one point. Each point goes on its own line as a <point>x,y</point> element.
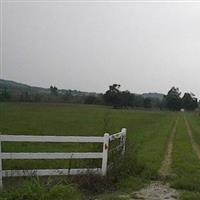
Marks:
<point>156,103</point>
<point>173,99</point>
<point>125,99</point>
<point>163,103</point>
<point>53,90</point>
<point>68,96</point>
<point>5,95</point>
<point>91,100</point>
<point>147,102</point>
<point>112,96</point>
<point>189,102</point>
<point>37,97</point>
<point>25,96</point>
<point>119,99</point>
<point>138,101</point>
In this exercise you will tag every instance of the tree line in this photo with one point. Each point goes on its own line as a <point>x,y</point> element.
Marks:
<point>172,101</point>
<point>113,97</point>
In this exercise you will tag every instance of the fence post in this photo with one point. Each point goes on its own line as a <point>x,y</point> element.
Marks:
<point>105,154</point>
<point>1,182</point>
<point>124,140</point>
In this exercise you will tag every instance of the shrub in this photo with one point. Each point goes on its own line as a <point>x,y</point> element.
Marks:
<point>123,167</point>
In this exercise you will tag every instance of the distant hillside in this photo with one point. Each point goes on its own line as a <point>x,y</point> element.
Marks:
<point>153,95</point>
<point>15,87</point>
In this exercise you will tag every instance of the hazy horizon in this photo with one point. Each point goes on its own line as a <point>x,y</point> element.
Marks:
<point>87,46</point>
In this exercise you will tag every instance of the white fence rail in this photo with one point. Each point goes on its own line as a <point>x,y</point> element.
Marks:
<point>59,139</point>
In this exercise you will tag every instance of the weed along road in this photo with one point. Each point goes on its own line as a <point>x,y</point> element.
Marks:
<point>161,160</point>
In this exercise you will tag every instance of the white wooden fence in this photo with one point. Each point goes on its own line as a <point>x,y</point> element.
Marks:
<point>59,139</point>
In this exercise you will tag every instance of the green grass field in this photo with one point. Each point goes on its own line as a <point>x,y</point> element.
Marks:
<point>148,134</point>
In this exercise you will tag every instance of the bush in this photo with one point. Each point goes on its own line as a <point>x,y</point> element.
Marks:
<point>123,167</point>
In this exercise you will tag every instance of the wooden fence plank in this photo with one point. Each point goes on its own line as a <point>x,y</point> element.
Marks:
<point>116,136</point>
<point>30,138</point>
<point>48,172</point>
<point>31,156</point>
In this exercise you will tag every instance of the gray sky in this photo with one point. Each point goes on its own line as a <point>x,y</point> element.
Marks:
<point>145,47</point>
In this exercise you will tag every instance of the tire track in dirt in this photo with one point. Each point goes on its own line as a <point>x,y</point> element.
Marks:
<point>166,164</point>
<point>195,146</point>
<point>158,190</point>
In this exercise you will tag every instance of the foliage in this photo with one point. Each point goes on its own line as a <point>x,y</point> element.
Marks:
<point>54,90</point>
<point>112,96</point>
<point>37,190</point>
<point>147,103</point>
<point>123,167</point>
<point>189,102</point>
<point>68,96</point>
<point>173,99</point>
<point>125,99</point>
<point>25,97</point>
<point>93,100</point>
<point>5,95</point>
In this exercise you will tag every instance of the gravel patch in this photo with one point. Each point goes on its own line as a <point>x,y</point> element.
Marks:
<point>156,191</point>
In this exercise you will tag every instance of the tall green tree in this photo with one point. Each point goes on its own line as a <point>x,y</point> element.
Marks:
<point>112,96</point>
<point>54,90</point>
<point>147,102</point>
<point>189,102</point>
<point>68,96</point>
<point>5,95</point>
<point>173,99</point>
<point>125,99</point>
<point>25,96</point>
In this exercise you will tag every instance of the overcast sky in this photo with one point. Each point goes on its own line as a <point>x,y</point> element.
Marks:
<point>145,47</point>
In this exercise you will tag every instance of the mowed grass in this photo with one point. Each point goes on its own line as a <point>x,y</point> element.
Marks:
<point>185,165</point>
<point>144,128</point>
<point>148,133</point>
<point>194,121</point>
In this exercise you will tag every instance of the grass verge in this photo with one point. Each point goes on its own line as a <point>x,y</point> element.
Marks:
<point>185,165</point>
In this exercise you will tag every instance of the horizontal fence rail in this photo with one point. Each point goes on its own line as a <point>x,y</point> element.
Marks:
<point>122,137</point>
<point>117,135</point>
<point>31,156</point>
<point>105,140</point>
<point>49,172</point>
<point>58,139</point>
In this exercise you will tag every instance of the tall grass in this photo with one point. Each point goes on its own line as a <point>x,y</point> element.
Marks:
<point>35,189</point>
<point>147,137</point>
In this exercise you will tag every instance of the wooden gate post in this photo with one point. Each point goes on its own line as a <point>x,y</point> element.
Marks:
<point>124,141</point>
<point>105,154</point>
